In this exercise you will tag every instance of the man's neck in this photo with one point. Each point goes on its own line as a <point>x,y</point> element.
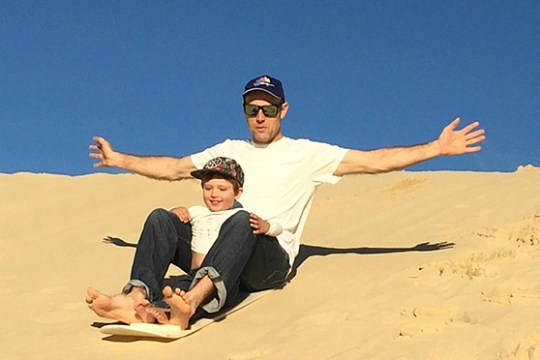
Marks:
<point>265,144</point>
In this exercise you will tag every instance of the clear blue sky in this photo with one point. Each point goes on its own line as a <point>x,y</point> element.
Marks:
<point>165,77</point>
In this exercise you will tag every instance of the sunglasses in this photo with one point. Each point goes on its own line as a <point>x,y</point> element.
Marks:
<point>268,110</point>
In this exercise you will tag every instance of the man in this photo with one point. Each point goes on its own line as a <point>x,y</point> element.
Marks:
<point>282,175</point>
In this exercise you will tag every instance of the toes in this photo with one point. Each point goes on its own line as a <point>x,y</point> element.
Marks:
<point>142,304</point>
<point>167,291</point>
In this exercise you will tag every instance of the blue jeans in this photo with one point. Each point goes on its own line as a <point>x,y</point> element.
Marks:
<point>237,260</point>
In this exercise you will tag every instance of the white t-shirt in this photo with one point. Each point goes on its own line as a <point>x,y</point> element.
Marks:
<point>206,224</point>
<point>280,179</point>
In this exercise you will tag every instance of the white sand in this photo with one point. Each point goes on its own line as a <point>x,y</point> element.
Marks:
<point>376,294</point>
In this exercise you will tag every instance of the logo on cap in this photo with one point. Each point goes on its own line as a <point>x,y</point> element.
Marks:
<point>266,84</point>
<point>263,80</point>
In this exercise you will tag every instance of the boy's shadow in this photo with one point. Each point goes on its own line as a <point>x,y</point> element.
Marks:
<point>307,251</point>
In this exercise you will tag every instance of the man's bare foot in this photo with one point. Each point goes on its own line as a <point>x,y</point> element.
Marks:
<point>181,306</point>
<point>119,307</point>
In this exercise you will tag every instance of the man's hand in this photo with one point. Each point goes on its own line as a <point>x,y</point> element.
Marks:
<point>258,225</point>
<point>104,153</point>
<point>457,142</point>
<point>182,213</point>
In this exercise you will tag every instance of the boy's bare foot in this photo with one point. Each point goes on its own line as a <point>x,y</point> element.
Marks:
<point>119,307</point>
<point>141,310</point>
<point>181,306</point>
<point>150,314</point>
<point>161,315</point>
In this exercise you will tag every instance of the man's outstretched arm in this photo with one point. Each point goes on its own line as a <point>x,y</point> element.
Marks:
<point>155,167</point>
<point>450,142</point>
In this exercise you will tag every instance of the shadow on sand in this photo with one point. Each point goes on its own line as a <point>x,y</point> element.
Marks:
<point>307,251</point>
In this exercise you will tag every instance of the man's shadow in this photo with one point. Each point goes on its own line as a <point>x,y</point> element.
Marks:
<point>118,242</point>
<point>307,251</point>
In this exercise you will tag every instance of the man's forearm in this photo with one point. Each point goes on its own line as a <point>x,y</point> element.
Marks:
<point>386,159</point>
<point>157,167</point>
<point>398,158</point>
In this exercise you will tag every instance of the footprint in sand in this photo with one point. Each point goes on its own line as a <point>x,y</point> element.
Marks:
<point>425,320</point>
<point>470,266</point>
<point>528,234</point>
<point>515,348</point>
<point>523,288</point>
<point>523,238</point>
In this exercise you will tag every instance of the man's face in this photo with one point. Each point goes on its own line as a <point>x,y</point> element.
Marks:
<point>218,194</point>
<point>264,129</point>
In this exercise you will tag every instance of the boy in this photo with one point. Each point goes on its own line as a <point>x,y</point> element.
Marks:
<point>221,182</point>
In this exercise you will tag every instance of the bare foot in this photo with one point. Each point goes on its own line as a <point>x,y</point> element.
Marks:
<point>150,314</point>
<point>181,307</point>
<point>161,315</point>
<point>119,307</point>
<point>141,310</point>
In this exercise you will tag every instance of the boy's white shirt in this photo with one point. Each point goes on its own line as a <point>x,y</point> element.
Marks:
<point>206,224</point>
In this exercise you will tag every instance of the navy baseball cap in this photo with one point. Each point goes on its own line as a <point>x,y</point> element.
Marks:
<point>267,84</point>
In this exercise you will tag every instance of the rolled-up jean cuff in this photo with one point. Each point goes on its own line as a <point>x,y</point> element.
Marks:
<point>216,303</point>
<point>136,283</point>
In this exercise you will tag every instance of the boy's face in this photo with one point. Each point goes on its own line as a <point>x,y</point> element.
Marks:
<point>218,194</point>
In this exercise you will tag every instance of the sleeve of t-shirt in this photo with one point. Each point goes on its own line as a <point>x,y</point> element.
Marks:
<point>325,159</point>
<point>196,211</point>
<point>201,158</point>
<point>275,229</point>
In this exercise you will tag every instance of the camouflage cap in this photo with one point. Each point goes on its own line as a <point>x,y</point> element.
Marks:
<point>224,166</point>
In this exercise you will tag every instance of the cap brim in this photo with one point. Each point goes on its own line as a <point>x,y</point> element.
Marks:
<point>263,90</point>
<point>200,174</point>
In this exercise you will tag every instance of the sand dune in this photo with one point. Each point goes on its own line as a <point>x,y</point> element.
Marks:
<point>408,265</point>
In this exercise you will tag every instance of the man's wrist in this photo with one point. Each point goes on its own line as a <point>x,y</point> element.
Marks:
<point>434,149</point>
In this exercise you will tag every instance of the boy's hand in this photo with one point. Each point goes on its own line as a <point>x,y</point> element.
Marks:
<point>182,213</point>
<point>258,225</point>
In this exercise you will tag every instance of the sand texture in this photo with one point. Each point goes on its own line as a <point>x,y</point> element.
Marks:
<point>408,265</point>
